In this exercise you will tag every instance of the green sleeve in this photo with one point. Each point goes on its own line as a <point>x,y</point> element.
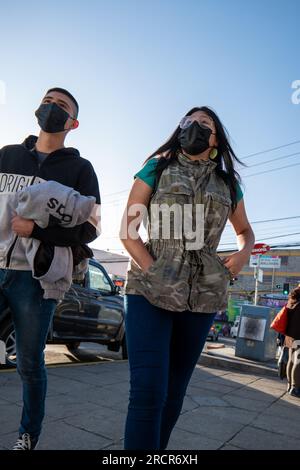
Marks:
<point>239,193</point>
<point>147,173</point>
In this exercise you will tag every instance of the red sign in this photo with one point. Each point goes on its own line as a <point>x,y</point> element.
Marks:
<point>260,249</point>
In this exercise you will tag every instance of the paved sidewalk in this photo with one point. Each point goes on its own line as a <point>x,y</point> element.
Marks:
<point>86,409</point>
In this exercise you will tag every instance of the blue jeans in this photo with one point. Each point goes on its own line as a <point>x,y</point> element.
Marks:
<point>163,349</point>
<point>32,316</point>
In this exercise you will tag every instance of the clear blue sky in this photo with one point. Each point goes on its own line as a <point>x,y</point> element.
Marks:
<point>137,66</point>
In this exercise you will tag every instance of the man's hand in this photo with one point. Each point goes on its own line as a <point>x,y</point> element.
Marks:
<point>22,227</point>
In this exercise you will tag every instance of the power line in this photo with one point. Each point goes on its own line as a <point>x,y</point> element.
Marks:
<point>270,171</point>
<point>227,225</point>
<point>278,236</point>
<point>242,158</point>
<point>279,246</point>
<point>275,220</point>
<point>262,234</point>
<point>273,160</point>
<point>286,245</point>
<point>260,239</point>
<point>270,220</point>
<point>117,192</point>
<point>267,238</point>
<point>270,150</point>
<point>122,200</point>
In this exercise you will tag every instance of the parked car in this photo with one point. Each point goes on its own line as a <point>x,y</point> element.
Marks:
<point>234,328</point>
<point>92,311</point>
<point>213,333</point>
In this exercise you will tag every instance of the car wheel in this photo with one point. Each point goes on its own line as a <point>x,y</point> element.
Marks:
<point>124,348</point>
<point>73,346</point>
<point>8,335</point>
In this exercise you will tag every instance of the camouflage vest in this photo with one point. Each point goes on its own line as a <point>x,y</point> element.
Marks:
<point>182,278</point>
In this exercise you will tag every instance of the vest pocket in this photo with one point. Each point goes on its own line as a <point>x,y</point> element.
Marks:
<point>178,188</point>
<point>153,266</point>
<point>173,192</point>
<point>219,198</point>
<point>166,282</point>
<point>210,285</point>
<point>226,270</point>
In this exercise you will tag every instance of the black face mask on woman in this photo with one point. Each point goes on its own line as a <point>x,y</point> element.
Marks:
<point>194,139</point>
<point>51,117</point>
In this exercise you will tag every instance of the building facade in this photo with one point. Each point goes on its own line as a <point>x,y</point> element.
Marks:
<point>114,264</point>
<point>273,279</point>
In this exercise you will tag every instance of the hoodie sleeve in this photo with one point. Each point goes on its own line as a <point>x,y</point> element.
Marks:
<point>87,185</point>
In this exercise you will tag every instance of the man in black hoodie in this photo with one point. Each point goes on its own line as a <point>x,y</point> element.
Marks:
<point>37,160</point>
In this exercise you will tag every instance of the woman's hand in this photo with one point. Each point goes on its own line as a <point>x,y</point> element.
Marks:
<point>236,262</point>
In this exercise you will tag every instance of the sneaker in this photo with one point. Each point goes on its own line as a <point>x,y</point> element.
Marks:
<point>295,392</point>
<point>25,442</point>
<point>288,387</point>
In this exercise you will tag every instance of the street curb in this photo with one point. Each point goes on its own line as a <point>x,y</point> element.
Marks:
<point>68,364</point>
<point>211,360</point>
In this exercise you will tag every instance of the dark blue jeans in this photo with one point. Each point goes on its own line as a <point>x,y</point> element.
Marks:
<point>32,316</point>
<point>163,349</point>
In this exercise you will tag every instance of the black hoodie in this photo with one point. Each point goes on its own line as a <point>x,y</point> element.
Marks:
<point>20,167</point>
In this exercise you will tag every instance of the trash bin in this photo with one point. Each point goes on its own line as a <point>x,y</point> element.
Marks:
<point>255,340</point>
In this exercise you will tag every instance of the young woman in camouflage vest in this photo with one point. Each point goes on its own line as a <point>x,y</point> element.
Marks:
<point>176,282</point>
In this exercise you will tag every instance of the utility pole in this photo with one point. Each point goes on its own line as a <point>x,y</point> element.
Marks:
<point>258,250</point>
<point>256,281</point>
<point>273,280</point>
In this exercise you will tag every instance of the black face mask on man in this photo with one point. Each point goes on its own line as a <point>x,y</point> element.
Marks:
<point>194,139</point>
<point>51,117</point>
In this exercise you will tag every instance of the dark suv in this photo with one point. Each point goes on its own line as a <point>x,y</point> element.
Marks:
<point>92,311</point>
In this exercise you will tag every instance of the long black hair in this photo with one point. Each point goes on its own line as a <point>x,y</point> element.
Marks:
<point>225,158</point>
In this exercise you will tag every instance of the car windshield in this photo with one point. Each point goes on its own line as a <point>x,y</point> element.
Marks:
<point>98,280</point>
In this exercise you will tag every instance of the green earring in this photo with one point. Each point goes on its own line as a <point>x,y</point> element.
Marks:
<point>213,153</point>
